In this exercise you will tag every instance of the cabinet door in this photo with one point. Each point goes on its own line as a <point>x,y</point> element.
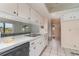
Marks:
<point>10,8</point>
<point>45,39</point>
<point>35,47</point>
<point>70,34</point>
<point>72,15</point>
<point>23,11</point>
<point>34,17</point>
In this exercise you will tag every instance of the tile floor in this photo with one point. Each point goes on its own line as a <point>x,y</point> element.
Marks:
<point>54,49</point>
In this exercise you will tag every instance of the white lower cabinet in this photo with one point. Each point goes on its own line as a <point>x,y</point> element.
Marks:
<point>37,46</point>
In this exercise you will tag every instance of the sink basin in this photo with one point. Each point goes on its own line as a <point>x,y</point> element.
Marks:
<point>32,35</point>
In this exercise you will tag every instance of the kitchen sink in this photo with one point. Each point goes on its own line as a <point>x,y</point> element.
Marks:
<point>32,35</point>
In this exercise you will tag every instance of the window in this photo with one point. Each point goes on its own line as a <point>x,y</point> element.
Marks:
<point>1,27</point>
<point>8,28</point>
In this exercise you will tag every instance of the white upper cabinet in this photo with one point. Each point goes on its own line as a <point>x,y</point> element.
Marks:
<point>70,16</point>
<point>10,8</point>
<point>35,17</point>
<point>23,11</point>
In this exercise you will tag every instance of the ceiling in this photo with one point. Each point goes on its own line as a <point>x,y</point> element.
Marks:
<point>54,7</point>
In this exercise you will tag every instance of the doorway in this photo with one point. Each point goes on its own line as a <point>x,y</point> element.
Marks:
<point>56,30</point>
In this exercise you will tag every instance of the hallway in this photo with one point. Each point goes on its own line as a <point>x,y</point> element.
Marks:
<point>54,49</point>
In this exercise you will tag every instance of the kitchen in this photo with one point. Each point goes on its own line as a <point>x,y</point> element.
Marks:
<point>39,29</point>
<point>22,30</point>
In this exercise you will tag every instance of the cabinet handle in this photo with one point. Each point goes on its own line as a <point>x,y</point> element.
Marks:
<point>69,30</point>
<point>17,14</point>
<point>14,12</point>
<point>74,45</point>
<point>32,43</point>
<point>34,48</point>
<point>40,42</point>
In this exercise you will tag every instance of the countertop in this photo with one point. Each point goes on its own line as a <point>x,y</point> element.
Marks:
<point>17,40</point>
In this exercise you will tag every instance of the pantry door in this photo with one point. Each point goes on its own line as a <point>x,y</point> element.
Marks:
<point>70,34</point>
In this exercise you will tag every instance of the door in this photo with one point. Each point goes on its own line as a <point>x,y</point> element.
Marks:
<point>70,34</point>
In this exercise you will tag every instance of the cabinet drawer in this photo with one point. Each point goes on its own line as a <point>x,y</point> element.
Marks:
<point>34,42</point>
